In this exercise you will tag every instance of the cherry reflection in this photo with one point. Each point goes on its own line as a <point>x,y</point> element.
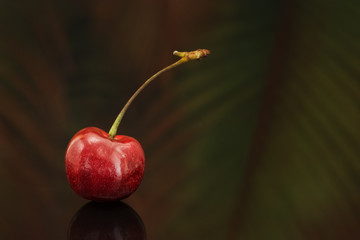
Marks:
<point>106,221</point>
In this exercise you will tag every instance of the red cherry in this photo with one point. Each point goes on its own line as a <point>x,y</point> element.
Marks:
<point>104,166</point>
<point>101,168</point>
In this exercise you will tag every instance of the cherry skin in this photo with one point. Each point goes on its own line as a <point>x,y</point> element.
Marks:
<point>101,168</point>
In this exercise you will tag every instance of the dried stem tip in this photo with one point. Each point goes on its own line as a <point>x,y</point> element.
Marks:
<point>193,55</point>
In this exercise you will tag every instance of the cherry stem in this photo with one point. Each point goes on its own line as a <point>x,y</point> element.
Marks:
<point>185,57</point>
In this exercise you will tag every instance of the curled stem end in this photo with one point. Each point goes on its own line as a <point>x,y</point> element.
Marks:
<point>193,55</point>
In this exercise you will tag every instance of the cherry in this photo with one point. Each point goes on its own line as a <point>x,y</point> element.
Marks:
<point>104,166</point>
<point>101,168</point>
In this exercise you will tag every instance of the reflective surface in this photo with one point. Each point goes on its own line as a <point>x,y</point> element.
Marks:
<point>108,221</point>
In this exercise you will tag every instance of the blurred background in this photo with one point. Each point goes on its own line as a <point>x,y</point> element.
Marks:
<point>261,140</point>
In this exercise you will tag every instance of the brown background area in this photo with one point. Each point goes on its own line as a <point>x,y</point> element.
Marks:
<point>259,141</point>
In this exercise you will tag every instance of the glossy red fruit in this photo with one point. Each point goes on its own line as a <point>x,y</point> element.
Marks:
<point>104,166</point>
<point>100,168</point>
